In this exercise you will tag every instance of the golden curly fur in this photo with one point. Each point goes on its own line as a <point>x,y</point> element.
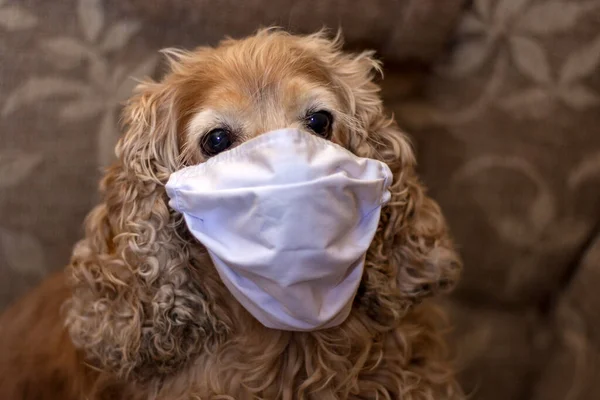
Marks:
<point>146,314</point>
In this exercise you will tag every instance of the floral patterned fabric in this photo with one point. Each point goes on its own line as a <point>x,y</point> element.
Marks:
<point>64,69</point>
<point>507,128</point>
<point>505,121</point>
<point>517,105</point>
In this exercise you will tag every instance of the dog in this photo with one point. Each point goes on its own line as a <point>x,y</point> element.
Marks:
<point>141,312</point>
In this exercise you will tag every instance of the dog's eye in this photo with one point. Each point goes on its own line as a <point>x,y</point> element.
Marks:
<point>320,123</point>
<point>216,141</point>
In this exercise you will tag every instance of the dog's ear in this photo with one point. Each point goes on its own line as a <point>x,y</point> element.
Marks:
<point>412,255</point>
<point>142,303</point>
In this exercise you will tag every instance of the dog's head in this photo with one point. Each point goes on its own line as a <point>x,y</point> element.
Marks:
<point>146,297</point>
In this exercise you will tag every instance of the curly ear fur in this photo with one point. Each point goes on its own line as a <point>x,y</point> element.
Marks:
<point>141,305</point>
<point>412,255</point>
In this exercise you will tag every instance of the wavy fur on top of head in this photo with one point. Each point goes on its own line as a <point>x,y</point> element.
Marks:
<point>148,305</point>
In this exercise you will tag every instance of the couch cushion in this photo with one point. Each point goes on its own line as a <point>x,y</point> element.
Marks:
<point>496,350</point>
<point>573,369</point>
<point>507,135</point>
<point>398,30</point>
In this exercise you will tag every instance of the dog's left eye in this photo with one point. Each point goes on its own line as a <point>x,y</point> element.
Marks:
<point>216,141</point>
<point>320,123</point>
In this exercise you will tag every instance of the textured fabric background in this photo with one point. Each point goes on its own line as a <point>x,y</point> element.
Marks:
<point>502,98</point>
<point>507,127</point>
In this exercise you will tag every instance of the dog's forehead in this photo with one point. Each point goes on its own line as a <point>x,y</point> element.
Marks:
<point>287,91</point>
<point>256,64</point>
<point>253,108</point>
<point>257,88</point>
<point>252,70</point>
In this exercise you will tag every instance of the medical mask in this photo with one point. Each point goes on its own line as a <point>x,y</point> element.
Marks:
<point>287,219</point>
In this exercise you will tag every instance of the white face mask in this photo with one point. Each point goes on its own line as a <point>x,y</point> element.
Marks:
<point>287,218</point>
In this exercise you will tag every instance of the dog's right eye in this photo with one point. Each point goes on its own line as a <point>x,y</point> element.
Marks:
<point>216,141</point>
<point>320,123</point>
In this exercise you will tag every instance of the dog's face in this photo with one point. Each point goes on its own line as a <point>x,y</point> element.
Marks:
<point>246,99</point>
<point>143,301</point>
<point>241,89</point>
